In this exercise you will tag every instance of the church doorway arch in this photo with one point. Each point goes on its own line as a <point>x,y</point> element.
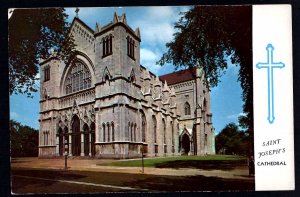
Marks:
<point>86,140</point>
<point>76,136</point>
<point>185,144</point>
<point>60,142</point>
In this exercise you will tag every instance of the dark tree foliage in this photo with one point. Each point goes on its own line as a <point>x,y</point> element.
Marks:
<point>24,140</point>
<point>232,141</point>
<point>206,37</point>
<point>35,34</point>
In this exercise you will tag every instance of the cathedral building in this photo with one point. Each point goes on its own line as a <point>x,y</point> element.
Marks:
<point>104,104</point>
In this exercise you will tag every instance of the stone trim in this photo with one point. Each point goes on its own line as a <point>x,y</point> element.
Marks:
<point>128,29</point>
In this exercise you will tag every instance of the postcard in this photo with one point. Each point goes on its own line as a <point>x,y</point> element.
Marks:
<point>151,99</point>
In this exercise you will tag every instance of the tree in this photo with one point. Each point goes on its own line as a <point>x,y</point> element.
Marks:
<point>230,140</point>
<point>35,34</point>
<point>206,37</point>
<point>24,140</point>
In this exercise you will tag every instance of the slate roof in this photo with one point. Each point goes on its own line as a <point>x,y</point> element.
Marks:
<point>179,76</point>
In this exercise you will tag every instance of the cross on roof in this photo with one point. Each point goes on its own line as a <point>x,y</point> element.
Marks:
<point>77,10</point>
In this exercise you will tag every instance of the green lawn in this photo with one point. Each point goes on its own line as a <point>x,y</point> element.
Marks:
<point>201,162</point>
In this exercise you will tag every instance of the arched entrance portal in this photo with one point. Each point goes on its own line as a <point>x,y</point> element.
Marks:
<point>76,136</point>
<point>185,144</point>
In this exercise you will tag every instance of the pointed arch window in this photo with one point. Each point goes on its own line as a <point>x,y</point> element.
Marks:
<point>154,128</point>
<point>143,128</point>
<point>130,47</point>
<point>204,110</point>
<point>47,73</point>
<point>107,46</point>
<point>108,132</point>
<point>103,130</point>
<point>134,132</point>
<point>132,76</point>
<point>131,132</point>
<point>187,109</point>
<point>112,131</point>
<point>164,129</point>
<point>172,129</point>
<point>78,78</point>
<point>128,133</point>
<point>45,94</point>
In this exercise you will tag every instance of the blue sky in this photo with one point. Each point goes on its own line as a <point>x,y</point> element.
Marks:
<point>156,27</point>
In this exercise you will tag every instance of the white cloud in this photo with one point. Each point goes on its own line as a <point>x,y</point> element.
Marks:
<point>14,115</point>
<point>157,24</point>
<point>234,116</point>
<point>148,59</point>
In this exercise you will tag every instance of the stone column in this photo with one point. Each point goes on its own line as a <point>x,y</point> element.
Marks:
<point>97,127</point>
<point>90,144</point>
<point>70,143</point>
<point>169,136</point>
<point>82,144</point>
<point>191,147</point>
<point>176,137</point>
<point>198,137</point>
<point>57,146</point>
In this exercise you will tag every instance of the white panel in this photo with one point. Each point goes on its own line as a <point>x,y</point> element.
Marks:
<point>272,25</point>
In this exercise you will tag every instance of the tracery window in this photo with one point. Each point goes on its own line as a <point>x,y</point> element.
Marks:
<point>187,109</point>
<point>78,78</point>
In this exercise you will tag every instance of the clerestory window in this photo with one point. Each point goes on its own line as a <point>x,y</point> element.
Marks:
<point>78,78</point>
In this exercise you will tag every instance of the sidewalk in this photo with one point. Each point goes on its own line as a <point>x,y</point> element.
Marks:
<point>241,172</point>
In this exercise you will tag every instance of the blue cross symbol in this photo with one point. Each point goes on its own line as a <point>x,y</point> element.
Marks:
<point>269,65</point>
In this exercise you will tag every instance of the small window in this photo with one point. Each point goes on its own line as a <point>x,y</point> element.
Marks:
<point>107,46</point>
<point>103,129</point>
<point>130,47</point>
<point>47,73</point>
<point>112,131</point>
<point>187,109</point>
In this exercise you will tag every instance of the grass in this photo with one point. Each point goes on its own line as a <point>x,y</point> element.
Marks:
<point>200,162</point>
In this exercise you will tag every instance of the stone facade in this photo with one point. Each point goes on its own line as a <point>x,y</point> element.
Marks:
<point>104,104</point>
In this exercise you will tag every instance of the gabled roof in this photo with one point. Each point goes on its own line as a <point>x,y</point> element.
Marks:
<point>179,76</point>
<point>83,24</point>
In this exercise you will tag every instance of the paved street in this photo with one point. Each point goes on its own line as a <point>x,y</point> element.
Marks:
<point>32,175</point>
